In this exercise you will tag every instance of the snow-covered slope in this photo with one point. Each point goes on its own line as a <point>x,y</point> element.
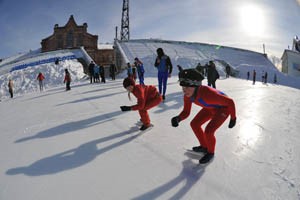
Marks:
<point>182,53</point>
<point>26,80</point>
<point>79,145</point>
<point>189,54</point>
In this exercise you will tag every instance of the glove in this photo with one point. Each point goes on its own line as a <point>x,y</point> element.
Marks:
<point>175,121</point>
<point>232,123</point>
<point>125,108</point>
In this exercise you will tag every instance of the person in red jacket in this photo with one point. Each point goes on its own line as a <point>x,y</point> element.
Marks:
<point>67,79</point>
<point>41,78</point>
<point>216,107</point>
<point>147,98</point>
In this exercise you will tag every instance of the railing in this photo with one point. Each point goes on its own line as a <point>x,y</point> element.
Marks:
<point>44,61</point>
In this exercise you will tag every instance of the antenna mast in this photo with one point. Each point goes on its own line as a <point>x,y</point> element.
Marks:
<point>125,21</point>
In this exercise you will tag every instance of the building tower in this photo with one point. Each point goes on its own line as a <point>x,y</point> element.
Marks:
<point>125,21</point>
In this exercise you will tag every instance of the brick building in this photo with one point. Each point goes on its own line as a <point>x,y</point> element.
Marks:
<point>73,36</point>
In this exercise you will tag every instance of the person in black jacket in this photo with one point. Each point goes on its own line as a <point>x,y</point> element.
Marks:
<point>91,71</point>
<point>102,74</point>
<point>212,74</point>
<point>112,71</point>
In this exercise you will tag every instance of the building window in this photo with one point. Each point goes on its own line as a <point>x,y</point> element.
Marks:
<point>80,40</point>
<point>70,39</point>
<point>110,58</point>
<point>59,42</point>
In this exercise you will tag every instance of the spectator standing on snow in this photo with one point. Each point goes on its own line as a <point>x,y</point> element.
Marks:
<point>112,71</point>
<point>266,77</point>
<point>67,80</point>
<point>96,74</point>
<point>228,71</point>
<point>212,74</point>
<point>41,78</point>
<point>216,107</point>
<point>57,61</point>
<point>102,74</point>
<point>140,70</point>
<point>248,75</point>
<point>129,71</point>
<point>164,67</point>
<point>147,97</point>
<point>201,69</point>
<point>254,77</point>
<point>134,72</point>
<point>11,88</point>
<point>275,78</point>
<point>91,71</point>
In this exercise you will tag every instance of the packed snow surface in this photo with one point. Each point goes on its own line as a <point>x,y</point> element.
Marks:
<point>77,144</point>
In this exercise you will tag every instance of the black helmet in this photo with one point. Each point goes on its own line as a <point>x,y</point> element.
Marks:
<point>190,78</point>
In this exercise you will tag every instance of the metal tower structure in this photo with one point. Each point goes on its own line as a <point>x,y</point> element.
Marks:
<point>125,21</point>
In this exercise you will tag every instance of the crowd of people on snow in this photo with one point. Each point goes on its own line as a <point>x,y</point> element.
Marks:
<point>96,72</point>
<point>216,106</point>
<point>40,78</point>
<point>264,77</point>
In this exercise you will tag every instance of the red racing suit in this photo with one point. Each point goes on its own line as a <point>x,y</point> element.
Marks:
<point>216,108</point>
<point>147,97</point>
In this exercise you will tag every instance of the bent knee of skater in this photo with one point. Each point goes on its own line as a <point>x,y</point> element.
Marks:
<point>194,124</point>
<point>210,130</point>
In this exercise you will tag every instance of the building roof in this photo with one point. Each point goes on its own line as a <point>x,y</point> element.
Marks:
<point>286,51</point>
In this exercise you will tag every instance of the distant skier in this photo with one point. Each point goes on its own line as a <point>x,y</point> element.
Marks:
<point>67,80</point>
<point>164,67</point>
<point>41,78</point>
<point>11,88</point>
<point>216,107</point>
<point>147,98</point>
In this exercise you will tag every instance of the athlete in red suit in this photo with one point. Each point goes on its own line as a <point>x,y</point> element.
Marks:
<point>216,107</point>
<point>147,98</point>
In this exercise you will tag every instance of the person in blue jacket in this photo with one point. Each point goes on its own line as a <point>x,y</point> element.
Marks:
<point>140,70</point>
<point>164,67</point>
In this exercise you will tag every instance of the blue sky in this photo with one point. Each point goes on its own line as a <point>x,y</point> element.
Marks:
<point>246,24</point>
